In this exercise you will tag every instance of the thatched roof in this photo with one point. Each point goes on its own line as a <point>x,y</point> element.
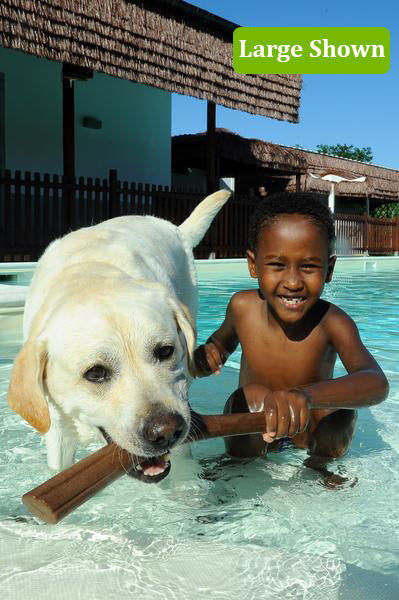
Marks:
<point>168,44</point>
<point>233,148</point>
<point>381,183</point>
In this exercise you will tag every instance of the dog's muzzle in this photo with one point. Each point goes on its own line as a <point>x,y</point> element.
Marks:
<point>159,433</point>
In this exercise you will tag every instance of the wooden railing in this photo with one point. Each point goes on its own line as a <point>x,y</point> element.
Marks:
<point>36,209</point>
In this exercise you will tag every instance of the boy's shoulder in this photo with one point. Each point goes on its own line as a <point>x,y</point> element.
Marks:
<point>240,300</point>
<point>335,318</point>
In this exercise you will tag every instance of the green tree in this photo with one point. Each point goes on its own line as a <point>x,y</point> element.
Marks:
<point>347,151</point>
<point>389,210</point>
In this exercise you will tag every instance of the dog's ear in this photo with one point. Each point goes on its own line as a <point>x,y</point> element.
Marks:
<point>186,324</point>
<point>26,390</point>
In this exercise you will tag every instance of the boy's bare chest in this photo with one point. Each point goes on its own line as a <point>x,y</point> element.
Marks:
<point>270,357</point>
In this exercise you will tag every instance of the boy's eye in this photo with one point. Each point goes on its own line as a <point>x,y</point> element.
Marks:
<point>275,264</point>
<point>310,266</point>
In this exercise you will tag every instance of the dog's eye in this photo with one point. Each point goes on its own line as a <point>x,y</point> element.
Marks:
<point>164,352</point>
<point>97,374</point>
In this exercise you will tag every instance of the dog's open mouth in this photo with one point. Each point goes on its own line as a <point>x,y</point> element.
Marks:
<point>147,469</point>
<point>151,470</point>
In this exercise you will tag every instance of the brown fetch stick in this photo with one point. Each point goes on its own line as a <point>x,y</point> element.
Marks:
<point>54,499</point>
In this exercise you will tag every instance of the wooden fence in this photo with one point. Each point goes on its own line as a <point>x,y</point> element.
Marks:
<point>360,234</point>
<point>36,209</point>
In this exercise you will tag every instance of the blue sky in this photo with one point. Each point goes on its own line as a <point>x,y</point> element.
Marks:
<point>335,109</point>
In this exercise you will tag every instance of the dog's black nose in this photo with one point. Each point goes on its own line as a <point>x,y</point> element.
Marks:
<point>163,431</point>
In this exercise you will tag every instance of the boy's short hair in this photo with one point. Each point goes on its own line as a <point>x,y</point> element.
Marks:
<point>303,203</point>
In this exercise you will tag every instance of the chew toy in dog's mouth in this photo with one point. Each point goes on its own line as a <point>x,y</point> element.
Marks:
<point>147,469</point>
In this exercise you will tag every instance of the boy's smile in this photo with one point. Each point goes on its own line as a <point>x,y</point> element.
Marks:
<point>292,264</point>
<point>292,302</point>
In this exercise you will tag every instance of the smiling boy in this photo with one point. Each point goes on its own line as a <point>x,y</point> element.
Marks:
<point>290,338</point>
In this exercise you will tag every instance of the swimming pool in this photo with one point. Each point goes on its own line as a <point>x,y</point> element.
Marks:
<point>264,529</point>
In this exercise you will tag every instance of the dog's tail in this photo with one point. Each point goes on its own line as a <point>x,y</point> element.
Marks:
<point>195,227</point>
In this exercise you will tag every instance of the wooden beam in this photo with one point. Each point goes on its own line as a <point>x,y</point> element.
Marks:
<point>211,153</point>
<point>68,126</point>
<point>2,124</point>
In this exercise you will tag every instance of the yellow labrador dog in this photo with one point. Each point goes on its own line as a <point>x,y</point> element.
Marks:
<point>109,335</point>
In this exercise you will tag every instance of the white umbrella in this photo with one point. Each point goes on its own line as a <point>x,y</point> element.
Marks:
<point>333,178</point>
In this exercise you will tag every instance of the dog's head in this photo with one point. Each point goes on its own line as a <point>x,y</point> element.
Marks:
<point>117,360</point>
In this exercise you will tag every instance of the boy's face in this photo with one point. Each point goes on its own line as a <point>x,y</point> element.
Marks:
<point>292,264</point>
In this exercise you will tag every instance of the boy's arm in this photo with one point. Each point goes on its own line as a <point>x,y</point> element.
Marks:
<point>210,357</point>
<point>365,383</point>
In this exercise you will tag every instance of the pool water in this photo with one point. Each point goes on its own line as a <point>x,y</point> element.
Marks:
<point>261,529</point>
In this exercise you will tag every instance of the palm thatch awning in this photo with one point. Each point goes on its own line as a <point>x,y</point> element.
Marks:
<point>168,44</point>
<point>232,149</point>
<point>239,154</point>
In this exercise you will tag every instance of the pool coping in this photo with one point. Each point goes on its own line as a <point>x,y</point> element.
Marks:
<point>344,264</point>
<point>367,262</point>
<point>17,267</point>
<point>339,259</point>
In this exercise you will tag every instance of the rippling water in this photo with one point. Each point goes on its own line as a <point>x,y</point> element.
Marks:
<point>264,529</point>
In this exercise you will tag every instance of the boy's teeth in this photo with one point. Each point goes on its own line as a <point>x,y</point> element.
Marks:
<point>291,300</point>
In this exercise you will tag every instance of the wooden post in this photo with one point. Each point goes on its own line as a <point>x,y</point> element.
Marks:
<point>68,122</point>
<point>8,212</point>
<point>298,182</point>
<point>70,74</point>
<point>15,225</point>
<point>67,203</point>
<point>367,251</point>
<point>397,236</point>
<point>211,169</point>
<point>37,214</point>
<point>113,194</point>
<point>29,230</point>
<point>211,155</point>
<point>2,124</point>
<point>68,139</point>
<point>365,235</point>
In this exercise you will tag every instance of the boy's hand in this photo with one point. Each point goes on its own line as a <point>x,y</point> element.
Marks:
<point>208,359</point>
<point>286,411</point>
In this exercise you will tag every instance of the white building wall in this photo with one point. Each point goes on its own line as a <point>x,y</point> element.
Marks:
<point>136,123</point>
<point>33,112</point>
<point>135,134</point>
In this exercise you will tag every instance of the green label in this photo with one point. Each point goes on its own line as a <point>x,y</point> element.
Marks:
<point>305,50</point>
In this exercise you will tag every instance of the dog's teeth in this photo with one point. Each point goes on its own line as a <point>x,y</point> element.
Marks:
<point>159,466</point>
<point>155,470</point>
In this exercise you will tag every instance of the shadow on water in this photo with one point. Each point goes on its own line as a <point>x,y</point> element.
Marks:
<point>367,439</point>
<point>361,584</point>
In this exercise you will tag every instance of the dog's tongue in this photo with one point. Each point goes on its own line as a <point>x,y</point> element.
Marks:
<point>156,467</point>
